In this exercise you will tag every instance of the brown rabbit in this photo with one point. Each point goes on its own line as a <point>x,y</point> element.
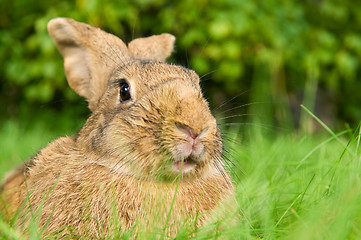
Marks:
<point>149,125</point>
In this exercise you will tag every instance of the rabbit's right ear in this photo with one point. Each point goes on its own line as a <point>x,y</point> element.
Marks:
<point>156,47</point>
<point>90,55</point>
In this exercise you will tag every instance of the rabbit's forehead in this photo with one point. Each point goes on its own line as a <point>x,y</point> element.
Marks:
<point>150,74</point>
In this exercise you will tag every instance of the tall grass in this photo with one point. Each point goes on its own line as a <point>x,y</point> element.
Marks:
<point>288,186</point>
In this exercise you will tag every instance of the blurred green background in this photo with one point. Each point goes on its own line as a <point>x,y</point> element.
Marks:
<point>262,58</point>
<point>278,53</point>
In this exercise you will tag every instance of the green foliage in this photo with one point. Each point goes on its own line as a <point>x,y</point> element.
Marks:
<point>283,46</point>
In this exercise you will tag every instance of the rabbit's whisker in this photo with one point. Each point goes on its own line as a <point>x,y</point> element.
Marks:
<point>203,79</point>
<point>237,115</point>
<point>231,140</point>
<point>242,106</point>
<point>203,48</point>
<point>221,170</point>
<point>230,100</point>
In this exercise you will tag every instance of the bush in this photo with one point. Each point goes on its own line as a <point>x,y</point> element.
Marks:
<point>284,52</point>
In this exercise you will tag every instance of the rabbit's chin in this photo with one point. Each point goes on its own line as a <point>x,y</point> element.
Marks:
<point>184,166</point>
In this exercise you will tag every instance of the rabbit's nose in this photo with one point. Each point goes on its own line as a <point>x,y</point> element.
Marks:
<point>187,130</point>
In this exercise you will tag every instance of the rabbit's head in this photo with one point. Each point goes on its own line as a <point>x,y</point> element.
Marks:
<point>149,119</point>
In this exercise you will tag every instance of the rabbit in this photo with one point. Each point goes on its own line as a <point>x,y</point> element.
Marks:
<point>150,153</point>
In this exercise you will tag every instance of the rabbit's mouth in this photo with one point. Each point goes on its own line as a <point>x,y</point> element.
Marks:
<point>185,165</point>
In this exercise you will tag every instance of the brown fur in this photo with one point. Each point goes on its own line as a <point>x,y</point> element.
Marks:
<point>121,161</point>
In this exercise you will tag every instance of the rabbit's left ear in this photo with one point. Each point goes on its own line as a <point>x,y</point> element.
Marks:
<point>90,56</point>
<point>156,47</point>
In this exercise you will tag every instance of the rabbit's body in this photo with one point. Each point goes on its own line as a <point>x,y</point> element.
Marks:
<point>150,124</point>
<point>86,196</point>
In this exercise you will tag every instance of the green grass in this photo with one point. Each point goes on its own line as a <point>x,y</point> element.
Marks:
<point>300,188</point>
<point>290,186</point>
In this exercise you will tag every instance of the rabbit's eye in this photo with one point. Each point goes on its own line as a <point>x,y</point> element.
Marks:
<point>124,91</point>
